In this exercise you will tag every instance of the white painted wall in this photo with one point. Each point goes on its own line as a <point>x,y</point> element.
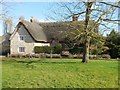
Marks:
<point>41,44</point>
<point>28,43</point>
<point>16,42</point>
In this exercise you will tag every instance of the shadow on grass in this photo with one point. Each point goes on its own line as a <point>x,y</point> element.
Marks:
<point>26,62</point>
<point>40,61</point>
<point>49,62</point>
<point>61,62</point>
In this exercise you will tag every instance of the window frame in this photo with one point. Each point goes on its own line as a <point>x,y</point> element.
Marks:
<point>21,49</point>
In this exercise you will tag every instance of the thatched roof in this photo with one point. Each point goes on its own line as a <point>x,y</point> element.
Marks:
<point>59,30</point>
<point>35,30</point>
<point>51,30</point>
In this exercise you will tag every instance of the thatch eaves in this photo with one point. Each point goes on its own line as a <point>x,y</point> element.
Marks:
<point>45,32</point>
<point>34,29</point>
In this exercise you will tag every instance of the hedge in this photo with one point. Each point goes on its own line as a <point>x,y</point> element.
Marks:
<point>57,49</point>
<point>42,49</point>
<point>47,49</point>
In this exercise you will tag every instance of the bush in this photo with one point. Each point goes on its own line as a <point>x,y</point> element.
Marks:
<point>76,50</point>
<point>115,51</point>
<point>42,49</point>
<point>47,49</point>
<point>57,49</point>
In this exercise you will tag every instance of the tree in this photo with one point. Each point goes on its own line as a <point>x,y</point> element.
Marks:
<point>112,41</point>
<point>97,46</point>
<point>7,25</point>
<point>5,19</point>
<point>101,13</point>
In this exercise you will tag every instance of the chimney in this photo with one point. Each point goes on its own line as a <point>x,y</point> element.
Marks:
<point>21,18</point>
<point>75,18</point>
<point>33,19</point>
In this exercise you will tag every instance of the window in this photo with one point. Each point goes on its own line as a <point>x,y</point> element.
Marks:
<point>21,49</point>
<point>22,37</point>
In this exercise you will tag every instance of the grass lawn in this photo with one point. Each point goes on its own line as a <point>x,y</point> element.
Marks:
<point>59,73</point>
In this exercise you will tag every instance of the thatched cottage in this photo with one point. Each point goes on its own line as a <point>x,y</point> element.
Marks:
<point>29,34</point>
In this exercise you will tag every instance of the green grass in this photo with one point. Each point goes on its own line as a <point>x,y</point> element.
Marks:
<point>59,73</point>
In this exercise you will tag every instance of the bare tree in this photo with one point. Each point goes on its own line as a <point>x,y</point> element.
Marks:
<point>6,20</point>
<point>8,25</point>
<point>103,14</point>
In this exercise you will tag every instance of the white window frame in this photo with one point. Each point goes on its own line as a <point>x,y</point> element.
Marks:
<point>22,49</point>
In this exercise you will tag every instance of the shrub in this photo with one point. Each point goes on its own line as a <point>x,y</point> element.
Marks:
<point>57,49</point>
<point>42,49</point>
<point>47,49</point>
<point>76,50</point>
<point>115,51</point>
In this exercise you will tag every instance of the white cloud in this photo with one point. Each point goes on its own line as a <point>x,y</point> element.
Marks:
<point>94,7</point>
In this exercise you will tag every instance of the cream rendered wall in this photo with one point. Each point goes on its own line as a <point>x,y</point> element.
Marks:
<point>28,43</point>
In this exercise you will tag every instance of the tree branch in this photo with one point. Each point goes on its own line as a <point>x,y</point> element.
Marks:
<point>111,4</point>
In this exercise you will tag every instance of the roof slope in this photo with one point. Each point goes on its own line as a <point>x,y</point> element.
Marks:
<point>59,30</point>
<point>35,30</point>
<point>45,32</point>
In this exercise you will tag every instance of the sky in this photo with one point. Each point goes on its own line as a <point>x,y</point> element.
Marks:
<point>27,9</point>
<point>39,10</point>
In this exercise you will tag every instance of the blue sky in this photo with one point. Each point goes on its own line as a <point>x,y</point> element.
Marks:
<point>28,9</point>
<point>39,10</point>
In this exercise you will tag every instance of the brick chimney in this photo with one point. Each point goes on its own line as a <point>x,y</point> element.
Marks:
<point>75,18</point>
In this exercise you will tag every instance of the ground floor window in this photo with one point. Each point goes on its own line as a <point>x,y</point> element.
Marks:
<point>21,49</point>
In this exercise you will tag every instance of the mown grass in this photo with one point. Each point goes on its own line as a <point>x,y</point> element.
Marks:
<point>59,73</point>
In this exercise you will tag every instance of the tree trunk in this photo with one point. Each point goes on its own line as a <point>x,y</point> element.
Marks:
<point>86,51</point>
<point>51,51</point>
<point>87,38</point>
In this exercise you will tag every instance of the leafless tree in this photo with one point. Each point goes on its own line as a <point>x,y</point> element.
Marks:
<point>103,14</point>
<point>8,25</point>
<point>6,20</point>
